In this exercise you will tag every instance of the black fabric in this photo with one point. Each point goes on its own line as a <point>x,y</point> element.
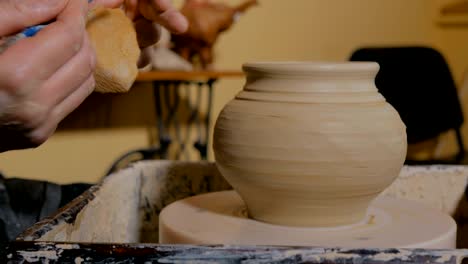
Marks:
<point>25,202</point>
<point>418,83</point>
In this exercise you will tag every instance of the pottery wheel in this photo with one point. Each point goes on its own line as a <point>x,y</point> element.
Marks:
<point>221,218</point>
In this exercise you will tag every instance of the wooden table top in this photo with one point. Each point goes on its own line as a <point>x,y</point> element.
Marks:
<point>187,75</point>
<point>66,252</point>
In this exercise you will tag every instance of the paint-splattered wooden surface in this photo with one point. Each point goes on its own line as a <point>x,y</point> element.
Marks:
<point>157,184</point>
<point>42,252</point>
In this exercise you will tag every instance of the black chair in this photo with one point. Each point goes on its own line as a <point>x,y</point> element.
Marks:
<point>418,83</point>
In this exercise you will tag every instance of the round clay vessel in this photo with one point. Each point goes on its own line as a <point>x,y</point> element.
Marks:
<point>309,143</point>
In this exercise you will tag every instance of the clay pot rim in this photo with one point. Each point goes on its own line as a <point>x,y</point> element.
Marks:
<point>308,67</point>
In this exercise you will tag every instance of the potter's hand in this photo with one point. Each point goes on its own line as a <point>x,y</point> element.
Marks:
<point>143,12</point>
<point>160,11</point>
<point>45,77</point>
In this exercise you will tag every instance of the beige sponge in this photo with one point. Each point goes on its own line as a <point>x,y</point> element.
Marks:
<point>114,38</point>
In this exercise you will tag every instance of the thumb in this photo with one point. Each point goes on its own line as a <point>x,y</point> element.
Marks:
<point>15,15</point>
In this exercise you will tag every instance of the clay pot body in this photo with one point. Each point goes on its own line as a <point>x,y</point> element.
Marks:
<point>309,144</point>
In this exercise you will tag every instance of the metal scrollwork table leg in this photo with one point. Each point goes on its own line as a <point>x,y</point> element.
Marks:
<point>180,114</point>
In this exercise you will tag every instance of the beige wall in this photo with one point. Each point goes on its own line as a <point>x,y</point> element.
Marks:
<point>275,30</point>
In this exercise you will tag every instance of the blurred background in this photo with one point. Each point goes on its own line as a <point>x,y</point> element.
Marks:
<point>107,126</point>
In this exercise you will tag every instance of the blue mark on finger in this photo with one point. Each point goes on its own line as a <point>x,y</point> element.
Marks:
<point>32,31</point>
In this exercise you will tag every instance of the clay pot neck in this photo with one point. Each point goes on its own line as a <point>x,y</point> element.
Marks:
<point>313,70</point>
<point>309,82</point>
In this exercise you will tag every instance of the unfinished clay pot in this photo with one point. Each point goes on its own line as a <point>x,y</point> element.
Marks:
<point>309,144</point>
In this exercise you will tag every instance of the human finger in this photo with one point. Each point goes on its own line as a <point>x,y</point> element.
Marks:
<point>131,9</point>
<point>16,15</point>
<point>42,133</point>
<point>148,32</point>
<point>163,12</point>
<point>34,60</point>
<point>68,77</point>
<point>107,3</point>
